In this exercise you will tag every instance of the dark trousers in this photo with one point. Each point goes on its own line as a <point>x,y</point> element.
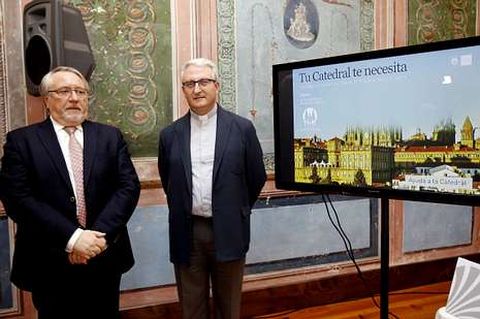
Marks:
<point>78,292</point>
<point>193,281</point>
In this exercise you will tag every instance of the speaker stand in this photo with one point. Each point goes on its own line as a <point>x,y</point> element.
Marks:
<point>384,256</point>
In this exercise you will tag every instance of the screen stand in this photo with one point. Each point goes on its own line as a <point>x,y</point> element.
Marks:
<point>384,257</point>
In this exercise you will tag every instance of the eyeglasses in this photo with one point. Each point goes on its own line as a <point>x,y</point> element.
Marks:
<point>67,92</point>
<point>203,83</point>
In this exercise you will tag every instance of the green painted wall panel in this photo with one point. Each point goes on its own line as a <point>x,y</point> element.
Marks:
<point>132,82</point>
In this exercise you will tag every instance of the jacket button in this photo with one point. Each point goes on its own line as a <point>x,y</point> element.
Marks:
<point>72,199</point>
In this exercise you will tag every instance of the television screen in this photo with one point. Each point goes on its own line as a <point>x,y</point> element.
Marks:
<point>401,123</point>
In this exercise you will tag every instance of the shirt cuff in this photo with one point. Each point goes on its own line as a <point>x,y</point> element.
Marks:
<point>73,240</point>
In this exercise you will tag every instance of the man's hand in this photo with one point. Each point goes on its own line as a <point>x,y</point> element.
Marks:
<point>89,244</point>
<point>75,258</point>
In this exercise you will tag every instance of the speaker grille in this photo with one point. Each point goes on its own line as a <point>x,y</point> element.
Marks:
<point>38,59</point>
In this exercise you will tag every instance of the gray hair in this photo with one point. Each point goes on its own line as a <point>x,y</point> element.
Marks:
<point>201,62</point>
<point>47,79</point>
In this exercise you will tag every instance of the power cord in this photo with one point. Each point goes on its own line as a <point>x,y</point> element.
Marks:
<point>348,247</point>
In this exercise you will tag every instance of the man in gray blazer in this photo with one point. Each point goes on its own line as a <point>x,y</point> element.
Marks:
<point>211,168</point>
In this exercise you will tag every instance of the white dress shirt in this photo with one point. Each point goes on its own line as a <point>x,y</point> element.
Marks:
<point>202,149</point>
<point>63,139</point>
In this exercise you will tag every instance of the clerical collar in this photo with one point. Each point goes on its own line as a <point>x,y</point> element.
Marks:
<point>205,117</point>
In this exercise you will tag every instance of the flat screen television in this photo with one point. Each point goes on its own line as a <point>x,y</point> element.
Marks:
<point>401,123</point>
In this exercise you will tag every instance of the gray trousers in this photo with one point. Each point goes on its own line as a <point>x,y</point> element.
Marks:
<point>193,281</point>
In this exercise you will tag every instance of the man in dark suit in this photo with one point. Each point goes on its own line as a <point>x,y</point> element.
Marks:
<point>71,206</point>
<point>211,168</point>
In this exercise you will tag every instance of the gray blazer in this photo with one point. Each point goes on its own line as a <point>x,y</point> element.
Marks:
<point>238,177</point>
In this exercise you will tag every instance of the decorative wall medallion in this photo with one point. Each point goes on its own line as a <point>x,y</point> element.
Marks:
<point>300,23</point>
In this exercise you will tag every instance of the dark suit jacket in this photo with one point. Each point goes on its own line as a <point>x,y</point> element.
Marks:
<point>238,177</point>
<point>38,196</point>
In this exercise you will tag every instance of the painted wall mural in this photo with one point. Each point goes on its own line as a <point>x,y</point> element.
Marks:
<point>271,32</point>
<point>3,87</point>
<point>7,290</point>
<point>132,82</point>
<point>430,21</point>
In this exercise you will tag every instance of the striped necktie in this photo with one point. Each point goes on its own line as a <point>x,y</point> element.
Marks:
<point>76,159</point>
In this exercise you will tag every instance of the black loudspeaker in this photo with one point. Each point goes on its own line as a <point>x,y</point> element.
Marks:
<point>54,34</point>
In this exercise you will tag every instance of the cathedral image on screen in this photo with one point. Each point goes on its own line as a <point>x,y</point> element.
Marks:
<point>382,157</point>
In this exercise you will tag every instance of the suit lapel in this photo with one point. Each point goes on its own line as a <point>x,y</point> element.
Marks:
<point>183,130</point>
<point>223,133</point>
<point>48,138</point>
<point>89,149</point>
